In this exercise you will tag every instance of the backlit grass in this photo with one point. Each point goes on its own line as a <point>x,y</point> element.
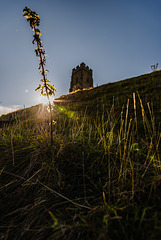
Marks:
<point>99,180</point>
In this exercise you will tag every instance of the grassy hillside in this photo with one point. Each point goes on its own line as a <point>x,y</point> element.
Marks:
<point>100,179</point>
<point>94,100</point>
<point>28,114</point>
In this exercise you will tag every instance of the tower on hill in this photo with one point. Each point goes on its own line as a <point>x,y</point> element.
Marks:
<point>81,78</point>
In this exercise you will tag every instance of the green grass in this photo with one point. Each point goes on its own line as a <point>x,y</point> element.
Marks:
<point>91,101</point>
<point>101,178</point>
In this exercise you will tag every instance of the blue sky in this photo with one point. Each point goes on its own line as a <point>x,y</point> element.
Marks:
<point>117,39</point>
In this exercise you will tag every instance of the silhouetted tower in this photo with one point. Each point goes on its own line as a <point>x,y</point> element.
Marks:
<point>81,78</point>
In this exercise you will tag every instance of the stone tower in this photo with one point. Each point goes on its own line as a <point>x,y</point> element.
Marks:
<point>81,78</point>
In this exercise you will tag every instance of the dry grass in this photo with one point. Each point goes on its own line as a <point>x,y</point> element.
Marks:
<point>99,180</point>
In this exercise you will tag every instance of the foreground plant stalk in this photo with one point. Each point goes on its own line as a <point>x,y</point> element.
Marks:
<point>46,88</point>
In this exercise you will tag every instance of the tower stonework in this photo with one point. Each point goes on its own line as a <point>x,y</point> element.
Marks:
<point>81,78</point>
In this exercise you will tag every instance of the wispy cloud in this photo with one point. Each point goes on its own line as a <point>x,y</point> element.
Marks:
<point>8,109</point>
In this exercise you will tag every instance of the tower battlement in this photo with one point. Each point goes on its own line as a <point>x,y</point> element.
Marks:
<point>81,77</point>
<point>81,66</point>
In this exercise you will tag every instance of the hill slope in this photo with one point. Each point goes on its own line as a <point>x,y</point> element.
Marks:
<point>93,101</point>
<point>101,177</point>
<point>148,86</point>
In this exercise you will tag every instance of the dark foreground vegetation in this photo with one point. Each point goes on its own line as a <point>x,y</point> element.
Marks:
<point>101,178</point>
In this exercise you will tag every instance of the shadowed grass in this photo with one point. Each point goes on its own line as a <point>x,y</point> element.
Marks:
<point>99,180</point>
